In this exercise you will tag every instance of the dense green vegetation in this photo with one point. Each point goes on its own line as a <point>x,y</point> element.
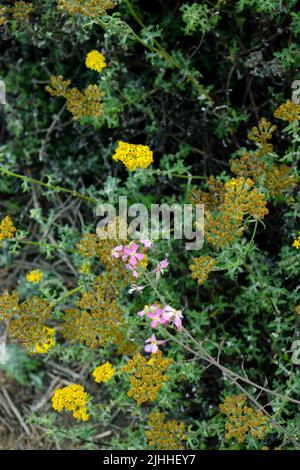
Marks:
<point>210,87</point>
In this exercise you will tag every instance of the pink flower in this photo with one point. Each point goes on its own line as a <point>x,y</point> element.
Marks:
<point>152,344</point>
<point>175,316</point>
<point>147,243</point>
<point>161,266</point>
<point>135,288</point>
<point>131,268</point>
<point>144,312</point>
<point>131,252</point>
<point>156,316</point>
<point>117,251</point>
<point>155,313</point>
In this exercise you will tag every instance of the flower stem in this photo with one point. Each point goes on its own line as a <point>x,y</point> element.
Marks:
<point>46,245</point>
<point>7,172</point>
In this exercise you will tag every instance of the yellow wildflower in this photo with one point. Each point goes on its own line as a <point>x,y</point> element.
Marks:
<point>133,156</point>
<point>165,435</point>
<point>104,373</point>
<point>88,103</point>
<point>35,276</point>
<point>261,134</point>
<point>146,376</point>
<point>298,309</point>
<point>43,345</point>
<point>242,419</point>
<point>201,268</point>
<point>7,229</point>
<point>3,13</point>
<point>296,243</point>
<point>288,111</point>
<point>88,8</point>
<point>58,86</point>
<point>71,398</point>
<point>225,222</point>
<point>95,61</point>
<point>26,321</point>
<point>21,11</point>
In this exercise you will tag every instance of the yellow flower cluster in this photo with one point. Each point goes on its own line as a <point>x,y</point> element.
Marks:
<point>104,373</point>
<point>212,198</point>
<point>288,111</point>
<point>242,197</point>
<point>259,167</point>
<point>43,345</point>
<point>201,268</point>
<point>80,105</point>
<point>27,322</point>
<point>239,199</point>
<point>133,156</point>
<point>35,276</point>
<point>100,246</point>
<point>249,165</point>
<point>243,419</point>
<point>276,178</point>
<point>59,86</point>
<point>146,376</point>
<point>261,134</point>
<point>71,398</point>
<point>296,243</point>
<point>165,435</point>
<point>7,229</point>
<point>86,104</point>
<point>3,15</point>
<point>89,8</point>
<point>95,61</point>
<point>298,309</point>
<point>9,305</point>
<point>20,12</point>
<point>279,179</point>
<point>98,318</point>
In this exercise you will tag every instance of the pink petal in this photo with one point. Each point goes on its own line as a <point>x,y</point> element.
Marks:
<point>133,260</point>
<point>146,243</point>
